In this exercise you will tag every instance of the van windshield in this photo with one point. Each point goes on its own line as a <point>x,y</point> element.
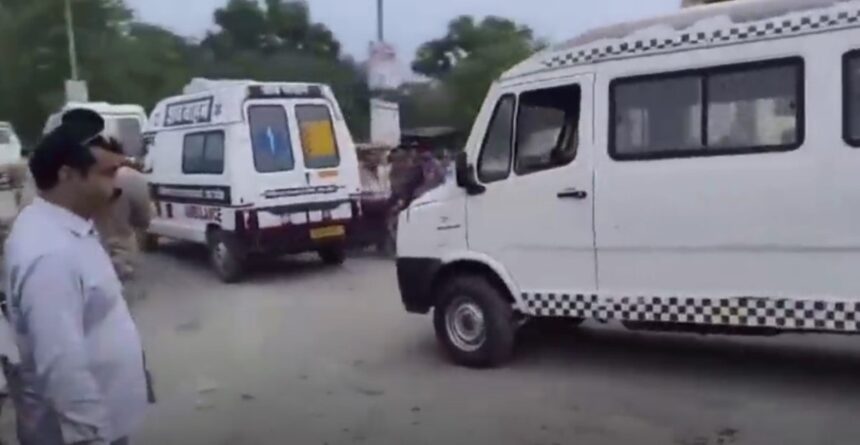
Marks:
<point>5,136</point>
<point>318,141</point>
<point>270,138</point>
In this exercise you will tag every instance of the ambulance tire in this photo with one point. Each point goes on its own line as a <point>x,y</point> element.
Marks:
<point>225,257</point>
<point>474,322</point>
<point>333,255</point>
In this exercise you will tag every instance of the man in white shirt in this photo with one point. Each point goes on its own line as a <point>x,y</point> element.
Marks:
<point>81,379</point>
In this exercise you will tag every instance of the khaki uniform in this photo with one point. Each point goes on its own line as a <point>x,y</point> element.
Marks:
<point>120,224</point>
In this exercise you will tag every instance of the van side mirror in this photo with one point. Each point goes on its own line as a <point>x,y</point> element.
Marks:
<point>466,177</point>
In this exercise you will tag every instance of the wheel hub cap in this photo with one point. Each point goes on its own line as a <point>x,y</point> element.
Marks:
<point>465,324</point>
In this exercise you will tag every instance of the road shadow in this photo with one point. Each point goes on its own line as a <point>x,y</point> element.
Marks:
<point>263,269</point>
<point>816,363</point>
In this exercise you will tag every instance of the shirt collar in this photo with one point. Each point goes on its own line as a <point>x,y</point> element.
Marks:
<point>66,218</point>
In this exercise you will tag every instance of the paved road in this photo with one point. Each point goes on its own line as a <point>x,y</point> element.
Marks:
<point>306,354</point>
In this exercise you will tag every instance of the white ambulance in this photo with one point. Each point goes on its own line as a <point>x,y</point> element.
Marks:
<point>693,172</point>
<point>124,122</point>
<point>253,168</point>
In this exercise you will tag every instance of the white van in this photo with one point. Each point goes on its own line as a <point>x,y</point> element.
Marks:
<point>694,172</point>
<point>253,168</point>
<point>123,122</point>
<point>10,145</point>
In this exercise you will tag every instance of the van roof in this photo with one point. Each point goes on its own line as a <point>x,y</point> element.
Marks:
<point>105,108</point>
<point>690,28</point>
<point>214,102</point>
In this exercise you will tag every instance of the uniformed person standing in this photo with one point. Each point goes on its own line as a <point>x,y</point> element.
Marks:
<point>121,223</point>
<point>81,378</point>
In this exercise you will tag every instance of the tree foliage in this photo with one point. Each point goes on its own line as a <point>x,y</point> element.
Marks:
<point>465,39</point>
<point>464,63</point>
<point>124,61</point>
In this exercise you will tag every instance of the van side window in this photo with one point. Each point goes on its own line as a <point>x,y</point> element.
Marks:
<point>319,144</point>
<point>494,163</point>
<point>203,153</point>
<point>270,138</point>
<point>547,128</point>
<point>851,94</point>
<point>748,108</point>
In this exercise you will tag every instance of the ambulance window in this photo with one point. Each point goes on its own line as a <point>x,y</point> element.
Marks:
<point>851,94</point>
<point>203,153</point>
<point>319,145</point>
<point>547,128</point>
<point>270,138</point>
<point>129,134</point>
<point>494,164</point>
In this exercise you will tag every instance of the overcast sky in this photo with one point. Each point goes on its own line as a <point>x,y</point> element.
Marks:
<point>412,22</point>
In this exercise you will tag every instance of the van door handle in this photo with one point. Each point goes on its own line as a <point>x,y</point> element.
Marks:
<point>573,194</point>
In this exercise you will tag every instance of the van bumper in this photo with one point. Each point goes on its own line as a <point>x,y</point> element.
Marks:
<point>415,277</point>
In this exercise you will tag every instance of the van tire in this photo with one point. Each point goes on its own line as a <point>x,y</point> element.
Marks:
<point>474,322</point>
<point>332,255</point>
<point>226,257</point>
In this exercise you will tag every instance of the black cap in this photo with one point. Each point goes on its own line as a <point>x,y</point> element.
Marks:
<point>83,125</point>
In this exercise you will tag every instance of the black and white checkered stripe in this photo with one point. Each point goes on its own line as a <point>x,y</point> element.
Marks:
<point>759,30</point>
<point>742,311</point>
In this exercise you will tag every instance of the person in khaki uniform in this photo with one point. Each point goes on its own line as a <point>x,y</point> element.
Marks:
<point>119,225</point>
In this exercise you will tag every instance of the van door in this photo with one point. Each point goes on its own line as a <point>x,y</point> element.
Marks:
<point>274,153</point>
<point>536,214</point>
<point>320,151</point>
<point>707,189</point>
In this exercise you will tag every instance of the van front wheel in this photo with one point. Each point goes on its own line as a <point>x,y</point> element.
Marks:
<point>225,257</point>
<point>474,322</point>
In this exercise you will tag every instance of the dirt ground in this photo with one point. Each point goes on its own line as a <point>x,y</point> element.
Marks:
<point>303,353</point>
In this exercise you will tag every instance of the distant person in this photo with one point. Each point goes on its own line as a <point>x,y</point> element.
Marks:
<point>405,176</point>
<point>432,172</point>
<point>81,379</point>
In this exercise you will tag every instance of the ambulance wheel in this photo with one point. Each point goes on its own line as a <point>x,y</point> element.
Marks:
<point>474,322</point>
<point>333,255</point>
<point>225,257</point>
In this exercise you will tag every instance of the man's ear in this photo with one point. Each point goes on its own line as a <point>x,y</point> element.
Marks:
<point>65,173</point>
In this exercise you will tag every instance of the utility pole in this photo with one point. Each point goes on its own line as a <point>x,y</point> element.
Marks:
<point>380,21</point>
<point>70,33</point>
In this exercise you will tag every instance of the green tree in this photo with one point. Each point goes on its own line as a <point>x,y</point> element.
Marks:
<point>464,63</point>
<point>33,50</point>
<point>281,26</point>
<point>465,39</point>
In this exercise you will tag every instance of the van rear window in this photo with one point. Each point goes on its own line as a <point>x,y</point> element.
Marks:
<point>319,144</point>
<point>735,109</point>
<point>270,138</point>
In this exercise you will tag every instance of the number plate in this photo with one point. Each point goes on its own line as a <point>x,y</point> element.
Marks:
<point>327,232</point>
